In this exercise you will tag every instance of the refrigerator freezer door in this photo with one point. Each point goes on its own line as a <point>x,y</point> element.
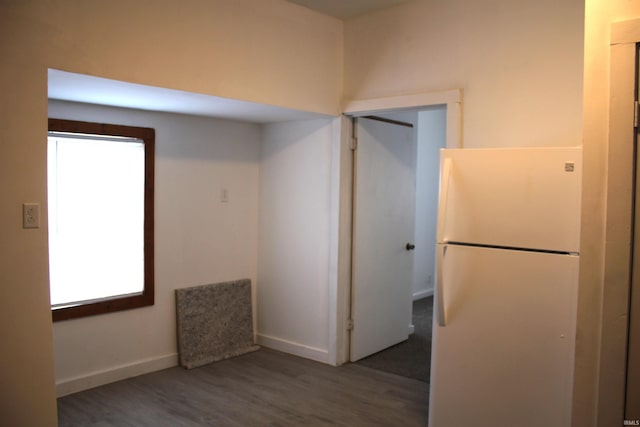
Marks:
<point>518,197</point>
<point>505,356</point>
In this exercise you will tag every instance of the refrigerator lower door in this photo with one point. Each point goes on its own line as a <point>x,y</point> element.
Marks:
<point>505,356</point>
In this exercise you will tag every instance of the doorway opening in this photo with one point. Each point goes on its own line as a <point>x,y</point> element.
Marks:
<point>436,125</point>
<point>616,381</point>
<point>396,165</point>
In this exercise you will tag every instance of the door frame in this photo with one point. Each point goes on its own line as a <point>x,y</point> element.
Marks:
<point>611,380</point>
<point>340,292</point>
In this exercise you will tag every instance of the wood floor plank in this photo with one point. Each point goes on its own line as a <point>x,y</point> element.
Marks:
<point>265,388</point>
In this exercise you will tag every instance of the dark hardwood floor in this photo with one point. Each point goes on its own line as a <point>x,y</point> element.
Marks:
<point>264,388</point>
<point>411,358</point>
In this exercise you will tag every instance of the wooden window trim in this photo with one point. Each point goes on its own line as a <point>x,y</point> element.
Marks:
<point>147,297</point>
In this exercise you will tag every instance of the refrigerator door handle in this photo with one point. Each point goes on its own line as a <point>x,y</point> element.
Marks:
<point>443,198</point>
<point>442,316</point>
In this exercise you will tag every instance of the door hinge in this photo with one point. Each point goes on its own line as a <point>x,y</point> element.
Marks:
<point>354,144</point>
<point>635,114</point>
<point>350,325</point>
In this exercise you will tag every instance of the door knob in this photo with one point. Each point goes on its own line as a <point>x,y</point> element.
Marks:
<point>410,247</point>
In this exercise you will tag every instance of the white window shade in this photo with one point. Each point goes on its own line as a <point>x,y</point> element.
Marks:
<point>96,217</point>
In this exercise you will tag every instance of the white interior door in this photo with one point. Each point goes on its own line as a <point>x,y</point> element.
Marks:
<point>384,215</point>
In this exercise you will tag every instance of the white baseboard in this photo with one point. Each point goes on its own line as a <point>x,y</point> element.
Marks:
<point>422,294</point>
<point>317,354</point>
<point>117,373</point>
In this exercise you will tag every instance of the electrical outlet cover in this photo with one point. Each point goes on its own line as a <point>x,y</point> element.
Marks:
<point>31,215</point>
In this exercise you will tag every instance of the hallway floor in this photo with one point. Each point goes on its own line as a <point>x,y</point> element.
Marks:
<point>411,358</point>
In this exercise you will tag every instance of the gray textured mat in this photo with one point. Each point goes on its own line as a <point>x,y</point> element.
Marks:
<point>215,322</point>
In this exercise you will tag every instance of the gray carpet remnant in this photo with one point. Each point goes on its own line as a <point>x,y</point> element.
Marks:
<point>214,322</point>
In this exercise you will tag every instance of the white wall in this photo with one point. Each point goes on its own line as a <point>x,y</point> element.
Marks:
<point>521,66</point>
<point>519,63</point>
<point>431,138</point>
<point>199,240</point>
<point>297,208</point>
<point>268,51</point>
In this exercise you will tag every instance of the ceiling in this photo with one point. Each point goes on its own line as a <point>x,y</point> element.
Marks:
<point>347,9</point>
<point>96,90</point>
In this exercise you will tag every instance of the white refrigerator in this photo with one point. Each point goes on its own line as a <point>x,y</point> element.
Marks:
<point>506,287</point>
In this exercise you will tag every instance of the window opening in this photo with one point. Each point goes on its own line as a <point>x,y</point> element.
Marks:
<point>100,212</point>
